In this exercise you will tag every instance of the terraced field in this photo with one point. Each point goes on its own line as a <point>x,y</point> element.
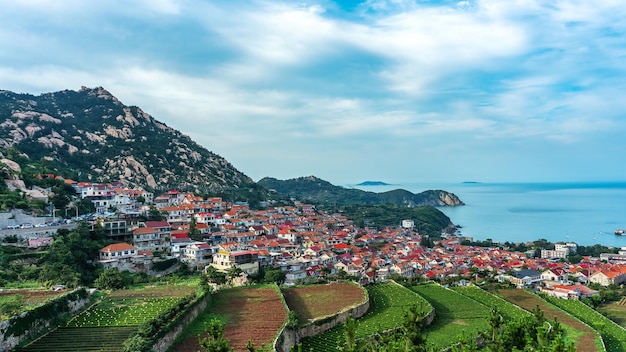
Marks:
<point>507,309</point>
<point>586,338</point>
<point>254,314</point>
<point>313,302</point>
<point>455,315</point>
<point>107,324</point>
<point>103,339</point>
<point>388,303</point>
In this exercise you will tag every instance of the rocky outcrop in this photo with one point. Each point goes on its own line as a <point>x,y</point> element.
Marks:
<point>91,132</point>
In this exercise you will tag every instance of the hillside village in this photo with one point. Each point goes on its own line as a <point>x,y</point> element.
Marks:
<point>307,244</point>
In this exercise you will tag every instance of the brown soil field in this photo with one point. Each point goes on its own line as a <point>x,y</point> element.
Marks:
<point>254,314</point>
<point>313,302</point>
<point>528,301</point>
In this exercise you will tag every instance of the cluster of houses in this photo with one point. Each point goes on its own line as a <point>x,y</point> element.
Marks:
<point>307,244</point>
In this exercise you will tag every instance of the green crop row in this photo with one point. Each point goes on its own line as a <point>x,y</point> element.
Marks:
<point>506,308</point>
<point>614,336</point>
<point>123,313</point>
<point>388,304</point>
<point>455,315</point>
<point>82,339</point>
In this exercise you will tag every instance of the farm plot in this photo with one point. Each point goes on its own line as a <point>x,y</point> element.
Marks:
<point>13,302</point>
<point>455,315</point>
<point>586,338</point>
<point>109,339</point>
<point>614,336</point>
<point>254,314</point>
<point>122,312</point>
<point>388,303</point>
<point>507,309</point>
<point>317,301</point>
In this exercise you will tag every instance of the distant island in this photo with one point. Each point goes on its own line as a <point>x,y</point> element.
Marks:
<point>470,182</point>
<point>373,183</point>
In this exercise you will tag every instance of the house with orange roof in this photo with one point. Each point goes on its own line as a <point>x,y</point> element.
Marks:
<point>610,276</point>
<point>117,255</point>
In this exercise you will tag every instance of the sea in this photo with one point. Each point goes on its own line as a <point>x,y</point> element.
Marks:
<point>586,213</point>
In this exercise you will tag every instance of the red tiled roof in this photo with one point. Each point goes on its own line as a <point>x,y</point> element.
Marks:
<point>117,247</point>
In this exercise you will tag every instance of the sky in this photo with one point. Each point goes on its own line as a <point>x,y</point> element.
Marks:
<point>348,91</point>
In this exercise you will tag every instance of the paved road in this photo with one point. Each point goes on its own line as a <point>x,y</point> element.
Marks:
<point>35,231</point>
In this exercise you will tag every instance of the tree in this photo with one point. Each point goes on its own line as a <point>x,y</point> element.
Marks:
<point>349,332</point>
<point>495,321</point>
<point>135,344</point>
<point>292,320</point>
<point>215,340</point>
<point>274,275</point>
<point>233,273</point>
<point>194,233</point>
<point>155,214</point>
<point>215,276</point>
<point>109,279</point>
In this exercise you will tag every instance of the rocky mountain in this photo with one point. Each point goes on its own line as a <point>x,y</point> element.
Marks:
<point>317,190</point>
<point>89,135</point>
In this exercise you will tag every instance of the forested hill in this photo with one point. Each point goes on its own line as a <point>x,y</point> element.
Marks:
<point>89,135</point>
<point>316,190</point>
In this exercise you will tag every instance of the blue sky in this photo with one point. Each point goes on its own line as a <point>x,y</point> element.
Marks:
<point>398,91</point>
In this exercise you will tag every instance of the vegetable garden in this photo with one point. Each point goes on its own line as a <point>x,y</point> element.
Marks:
<point>122,312</point>
<point>108,323</point>
<point>105,339</point>
<point>388,303</point>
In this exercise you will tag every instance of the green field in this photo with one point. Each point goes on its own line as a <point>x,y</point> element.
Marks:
<point>122,312</point>
<point>104,339</point>
<point>388,303</point>
<point>455,315</point>
<point>614,336</point>
<point>507,309</point>
<point>109,322</point>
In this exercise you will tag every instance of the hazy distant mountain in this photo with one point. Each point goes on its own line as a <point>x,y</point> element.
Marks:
<point>89,135</point>
<point>373,183</point>
<point>317,190</point>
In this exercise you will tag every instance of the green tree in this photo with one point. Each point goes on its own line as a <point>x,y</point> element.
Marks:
<point>215,276</point>
<point>215,340</point>
<point>109,279</point>
<point>274,275</point>
<point>194,233</point>
<point>155,214</point>
<point>233,273</point>
<point>136,344</point>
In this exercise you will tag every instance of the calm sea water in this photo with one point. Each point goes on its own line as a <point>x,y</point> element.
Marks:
<point>585,213</point>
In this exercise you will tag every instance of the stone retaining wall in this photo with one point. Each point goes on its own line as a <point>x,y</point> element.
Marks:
<point>289,338</point>
<point>36,327</point>
<point>165,342</point>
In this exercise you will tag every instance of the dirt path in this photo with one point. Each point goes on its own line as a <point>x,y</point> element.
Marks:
<point>528,301</point>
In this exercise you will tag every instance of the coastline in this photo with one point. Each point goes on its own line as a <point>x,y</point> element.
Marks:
<point>587,213</point>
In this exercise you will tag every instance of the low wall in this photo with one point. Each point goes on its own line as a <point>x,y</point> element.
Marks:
<point>165,342</point>
<point>38,321</point>
<point>289,338</point>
